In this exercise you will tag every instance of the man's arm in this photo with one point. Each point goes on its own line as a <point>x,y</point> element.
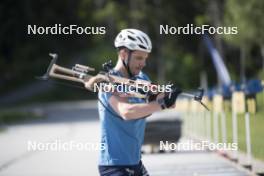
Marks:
<point>140,110</point>
<point>133,111</point>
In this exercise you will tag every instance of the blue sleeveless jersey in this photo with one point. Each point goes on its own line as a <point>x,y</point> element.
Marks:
<point>122,139</point>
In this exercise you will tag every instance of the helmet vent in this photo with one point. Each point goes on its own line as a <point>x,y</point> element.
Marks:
<point>131,38</point>
<point>146,40</point>
<point>140,39</point>
<point>131,32</point>
<point>141,46</point>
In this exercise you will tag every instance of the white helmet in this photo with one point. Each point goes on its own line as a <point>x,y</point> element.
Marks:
<point>133,39</point>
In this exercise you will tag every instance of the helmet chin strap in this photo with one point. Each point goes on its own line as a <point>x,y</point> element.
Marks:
<point>126,64</point>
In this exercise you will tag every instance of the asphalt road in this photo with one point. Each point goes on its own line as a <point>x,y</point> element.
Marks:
<point>78,124</point>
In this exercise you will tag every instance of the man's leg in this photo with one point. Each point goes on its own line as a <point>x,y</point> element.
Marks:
<point>142,171</point>
<point>115,171</point>
<point>138,170</point>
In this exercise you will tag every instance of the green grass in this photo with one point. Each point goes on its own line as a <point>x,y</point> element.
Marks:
<point>256,130</point>
<point>1,129</point>
<point>57,94</point>
<point>256,127</point>
<point>11,117</point>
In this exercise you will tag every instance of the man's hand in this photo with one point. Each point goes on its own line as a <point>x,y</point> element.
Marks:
<point>154,97</point>
<point>170,98</point>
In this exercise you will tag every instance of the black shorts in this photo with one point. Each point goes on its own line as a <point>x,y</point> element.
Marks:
<point>135,170</point>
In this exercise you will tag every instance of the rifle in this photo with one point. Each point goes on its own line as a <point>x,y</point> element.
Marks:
<point>80,74</point>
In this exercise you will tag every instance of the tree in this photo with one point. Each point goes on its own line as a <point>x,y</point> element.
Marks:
<point>247,16</point>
